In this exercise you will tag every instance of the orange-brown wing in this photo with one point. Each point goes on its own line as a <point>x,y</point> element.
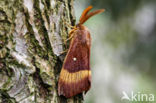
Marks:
<point>75,74</point>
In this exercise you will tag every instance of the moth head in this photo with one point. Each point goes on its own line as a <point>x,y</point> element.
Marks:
<point>81,27</point>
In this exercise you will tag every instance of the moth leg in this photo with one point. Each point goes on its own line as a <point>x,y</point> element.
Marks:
<point>63,51</point>
<point>70,37</point>
<point>72,27</point>
<point>71,34</point>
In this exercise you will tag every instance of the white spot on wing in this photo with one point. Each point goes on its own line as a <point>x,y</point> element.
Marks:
<point>74,59</point>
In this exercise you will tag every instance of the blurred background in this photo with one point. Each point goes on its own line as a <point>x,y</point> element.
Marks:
<point>123,53</point>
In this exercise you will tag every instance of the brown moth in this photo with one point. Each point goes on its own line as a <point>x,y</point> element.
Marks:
<point>75,76</point>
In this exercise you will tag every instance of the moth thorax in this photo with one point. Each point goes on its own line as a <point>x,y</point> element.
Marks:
<point>81,27</point>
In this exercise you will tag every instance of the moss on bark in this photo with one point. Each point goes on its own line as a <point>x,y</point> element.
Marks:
<point>31,39</point>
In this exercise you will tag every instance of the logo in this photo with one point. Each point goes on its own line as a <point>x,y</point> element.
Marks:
<point>138,97</point>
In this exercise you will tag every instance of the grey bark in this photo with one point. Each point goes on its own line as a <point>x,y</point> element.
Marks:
<point>31,40</point>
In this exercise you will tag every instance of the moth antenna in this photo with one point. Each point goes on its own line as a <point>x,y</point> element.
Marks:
<point>84,13</point>
<point>90,15</point>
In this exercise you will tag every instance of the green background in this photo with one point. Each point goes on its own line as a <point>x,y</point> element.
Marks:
<point>123,53</point>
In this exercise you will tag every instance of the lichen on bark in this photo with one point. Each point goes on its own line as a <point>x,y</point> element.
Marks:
<point>32,34</point>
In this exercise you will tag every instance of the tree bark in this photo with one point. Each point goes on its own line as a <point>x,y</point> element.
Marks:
<point>32,34</point>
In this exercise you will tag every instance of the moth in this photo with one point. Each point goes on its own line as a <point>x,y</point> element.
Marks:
<point>75,76</point>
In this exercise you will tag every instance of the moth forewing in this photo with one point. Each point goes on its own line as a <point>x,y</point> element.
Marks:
<point>75,76</point>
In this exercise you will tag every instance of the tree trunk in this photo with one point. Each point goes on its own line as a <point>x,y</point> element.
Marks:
<point>31,40</point>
